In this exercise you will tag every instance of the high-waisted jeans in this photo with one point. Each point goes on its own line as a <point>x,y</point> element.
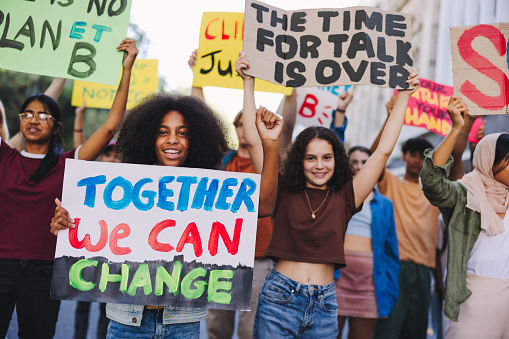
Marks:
<point>288,309</point>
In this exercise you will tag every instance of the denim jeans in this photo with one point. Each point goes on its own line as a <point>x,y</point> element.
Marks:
<point>26,284</point>
<point>152,327</point>
<point>288,309</point>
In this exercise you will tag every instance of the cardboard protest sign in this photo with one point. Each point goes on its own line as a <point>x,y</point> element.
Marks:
<point>221,35</point>
<point>426,107</point>
<point>66,38</point>
<point>157,235</point>
<point>144,81</point>
<point>315,106</point>
<point>328,47</point>
<point>480,67</point>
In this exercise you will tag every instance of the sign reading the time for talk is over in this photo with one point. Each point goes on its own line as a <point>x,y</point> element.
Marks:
<point>64,38</point>
<point>328,47</point>
<point>157,235</point>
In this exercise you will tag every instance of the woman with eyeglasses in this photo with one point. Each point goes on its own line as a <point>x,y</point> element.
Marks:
<point>30,181</point>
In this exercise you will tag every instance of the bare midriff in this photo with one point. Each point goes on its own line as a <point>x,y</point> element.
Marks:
<point>357,243</point>
<point>306,273</point>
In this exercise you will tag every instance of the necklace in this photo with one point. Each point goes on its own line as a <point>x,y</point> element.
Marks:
<point>313,212</point>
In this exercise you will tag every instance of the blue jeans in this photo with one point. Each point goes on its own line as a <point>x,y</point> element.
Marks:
<point>288,309</point>
<point>26,284</point>
<point>152,327</point>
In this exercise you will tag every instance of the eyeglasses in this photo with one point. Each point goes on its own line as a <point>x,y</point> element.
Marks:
<point>41,116</point>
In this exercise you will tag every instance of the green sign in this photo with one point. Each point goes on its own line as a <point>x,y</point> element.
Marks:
<point>73,39</point>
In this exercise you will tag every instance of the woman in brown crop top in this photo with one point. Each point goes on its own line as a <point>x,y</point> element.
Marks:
<point>312,207</point>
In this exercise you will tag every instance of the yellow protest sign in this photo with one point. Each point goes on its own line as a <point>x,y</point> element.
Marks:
<point>144,81</point>
<point>221,35</point>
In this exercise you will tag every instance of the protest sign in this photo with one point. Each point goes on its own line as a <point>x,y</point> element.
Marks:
<point>480,67</point>
<point>221,35</point>
<point>315,106</point>
<point>426,107</point>
<point>157,235</point>
<point>144,81</point>
<point>65,38</point>
<point>328,47</point>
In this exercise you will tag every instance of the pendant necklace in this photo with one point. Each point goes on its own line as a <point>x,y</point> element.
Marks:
<point>313,212</point>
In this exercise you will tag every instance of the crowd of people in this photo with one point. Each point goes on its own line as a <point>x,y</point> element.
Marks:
<point>339,237</point>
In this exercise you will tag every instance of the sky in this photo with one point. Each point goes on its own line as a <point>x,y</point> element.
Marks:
<point>173,30</point>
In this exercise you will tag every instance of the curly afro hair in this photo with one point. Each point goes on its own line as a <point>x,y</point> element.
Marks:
<point>207,133</point>
<point>293,167</point>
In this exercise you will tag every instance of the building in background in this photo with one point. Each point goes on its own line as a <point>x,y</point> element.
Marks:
<point>432,20</point>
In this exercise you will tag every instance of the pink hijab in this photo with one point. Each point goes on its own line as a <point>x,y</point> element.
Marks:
<point>486,195</point>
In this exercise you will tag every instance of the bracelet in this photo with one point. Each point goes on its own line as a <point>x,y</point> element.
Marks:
<point>340,110</point>
<point>78,130</point>
<point>463,133</point>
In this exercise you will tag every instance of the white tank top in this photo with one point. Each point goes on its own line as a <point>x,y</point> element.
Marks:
<point>490,255</point>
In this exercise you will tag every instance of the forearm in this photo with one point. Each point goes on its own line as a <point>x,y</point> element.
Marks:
<point>458,168</point>
<point>444,150</point>
<point>55,88</point>
<point>392,127</point>
<point>289,117</point>
<point>374,146</point>
<point>197,92</point>
<point>78,133</point>
<point>339,118</point>
<point>269,178</point>
<point>119,104</point>
<point>249,124</point>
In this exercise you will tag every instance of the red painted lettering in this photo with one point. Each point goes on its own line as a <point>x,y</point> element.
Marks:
<point>121,231</point>
<point>484,66</point>
<point>73,237</point>
<point>308,108</point>
<point>223,34</point>
<point>217,230</point>
<point>191,236</point>
<point>207,35</point>
<point>152,238</point>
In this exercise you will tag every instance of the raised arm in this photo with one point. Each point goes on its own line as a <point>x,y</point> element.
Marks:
<point>100,139</point>
<point>269,127</point>
<point>254,144</point>
<point>456,109</point>
<point>78,133</point>
<point>195,91</point>
<point>289,117</point>
<point>389,105</point>
<point>55,88</point>
<point>367,177</point>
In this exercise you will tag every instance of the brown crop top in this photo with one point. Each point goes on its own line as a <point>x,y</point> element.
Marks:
<point>299,237</point>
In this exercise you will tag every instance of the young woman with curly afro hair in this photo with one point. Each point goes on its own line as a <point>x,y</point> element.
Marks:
<point>166,130</point>
<point>312,201</point>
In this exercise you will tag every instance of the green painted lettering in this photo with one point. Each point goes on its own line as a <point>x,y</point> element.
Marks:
<point>172,281</point>
<point>141,278</point>
<point>75,279</point>
<point>185,288</point>
<point>214,294</point>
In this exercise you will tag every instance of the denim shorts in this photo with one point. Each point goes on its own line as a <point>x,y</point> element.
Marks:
<point>152,327</point>
<point>288,309</point>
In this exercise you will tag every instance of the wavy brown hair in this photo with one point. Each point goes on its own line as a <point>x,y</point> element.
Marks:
<point>293,167</point>
<point>207,133</point>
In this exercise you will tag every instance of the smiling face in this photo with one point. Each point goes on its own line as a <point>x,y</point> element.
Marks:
<point>35,131</point>
<point>172,143</point>
<point>318,163</point>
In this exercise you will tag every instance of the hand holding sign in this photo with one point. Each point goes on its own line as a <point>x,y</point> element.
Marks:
<point>130,52</point>
<point>242,65</point>
<point>457,109</point>
<point>61,220</point>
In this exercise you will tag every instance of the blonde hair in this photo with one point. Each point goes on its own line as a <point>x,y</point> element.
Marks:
<point>4,131</point>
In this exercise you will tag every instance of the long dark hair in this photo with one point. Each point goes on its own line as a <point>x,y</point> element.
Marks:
<point>501,154</point>
<point>293,167</point>
<point>207,134</point>
<point>55,147</point>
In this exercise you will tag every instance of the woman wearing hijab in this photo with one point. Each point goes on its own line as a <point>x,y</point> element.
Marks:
<point>474,209</point>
